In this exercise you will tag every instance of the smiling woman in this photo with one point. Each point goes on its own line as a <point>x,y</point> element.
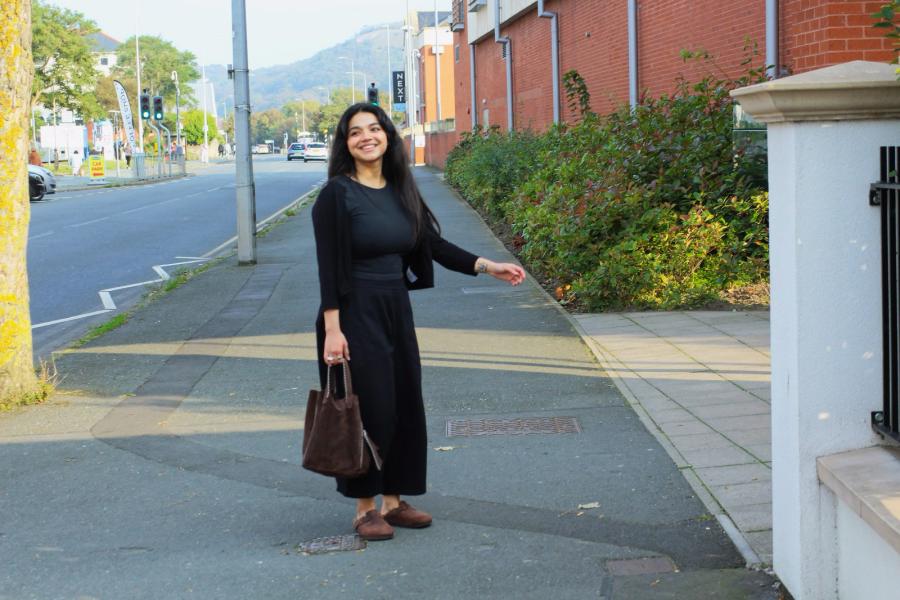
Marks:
<point>375,240</point>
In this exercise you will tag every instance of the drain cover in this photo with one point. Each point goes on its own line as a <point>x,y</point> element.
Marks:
<point>466,427</point>
<point>336,543</point>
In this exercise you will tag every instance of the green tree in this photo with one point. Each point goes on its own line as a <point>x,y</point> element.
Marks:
<point>193,126</point>
<point>17,378</point>
<point>158,59</point>
<point>64,72</point>
<point>329,114</point>
<point>270,125</point>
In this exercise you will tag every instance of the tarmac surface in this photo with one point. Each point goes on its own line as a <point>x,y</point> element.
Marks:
<point>168,464</point>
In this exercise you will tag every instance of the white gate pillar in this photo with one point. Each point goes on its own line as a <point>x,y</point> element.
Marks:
<point>825,128</point>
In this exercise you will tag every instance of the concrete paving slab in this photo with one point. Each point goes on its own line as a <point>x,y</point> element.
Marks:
<point>178,473</point>
<point>752,472</point>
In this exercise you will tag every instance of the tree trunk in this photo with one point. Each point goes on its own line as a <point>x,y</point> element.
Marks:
<point>17,375</point>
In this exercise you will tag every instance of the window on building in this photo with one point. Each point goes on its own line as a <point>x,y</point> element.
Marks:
<point>456,53</point>
<point>104,60</point>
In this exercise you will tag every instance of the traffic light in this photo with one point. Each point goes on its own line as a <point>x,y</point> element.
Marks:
<point>145,105</point>
<point>373,94</point>
<point>157,108</point>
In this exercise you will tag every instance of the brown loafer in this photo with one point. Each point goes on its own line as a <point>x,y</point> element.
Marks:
<point>407,516</point>
<point>372,527</point>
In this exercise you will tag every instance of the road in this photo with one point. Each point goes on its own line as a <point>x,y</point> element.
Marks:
<point>81,243</point>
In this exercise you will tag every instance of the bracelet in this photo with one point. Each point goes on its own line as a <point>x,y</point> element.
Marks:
<point>481,266</point>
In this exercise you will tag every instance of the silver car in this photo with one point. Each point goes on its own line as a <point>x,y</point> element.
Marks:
<point>45,176</point>
<point>315,151</point>
<point>295,150</point>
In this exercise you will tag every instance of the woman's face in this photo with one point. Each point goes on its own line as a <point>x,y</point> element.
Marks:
<point>366,140</point>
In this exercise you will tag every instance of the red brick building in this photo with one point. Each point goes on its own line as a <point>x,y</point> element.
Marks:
<point>625,48</point>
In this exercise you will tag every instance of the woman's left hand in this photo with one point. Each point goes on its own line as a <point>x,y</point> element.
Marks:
<point>510,272</point>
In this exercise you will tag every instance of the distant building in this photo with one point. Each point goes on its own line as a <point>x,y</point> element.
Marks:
<point>104,47</point>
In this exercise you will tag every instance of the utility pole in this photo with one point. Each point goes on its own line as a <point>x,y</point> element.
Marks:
<point>246,196</point>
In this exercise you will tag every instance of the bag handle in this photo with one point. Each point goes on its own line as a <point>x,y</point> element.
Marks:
<point>348,383</point>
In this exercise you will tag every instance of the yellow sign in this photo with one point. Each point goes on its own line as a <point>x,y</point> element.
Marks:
<point>96,167</point>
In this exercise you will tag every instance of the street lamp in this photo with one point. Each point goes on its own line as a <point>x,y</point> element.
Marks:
<point>352,78</point>
<point>177,109</point>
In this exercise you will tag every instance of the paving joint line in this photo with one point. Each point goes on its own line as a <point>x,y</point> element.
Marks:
<point>699,362</point>
<point>735,338</point>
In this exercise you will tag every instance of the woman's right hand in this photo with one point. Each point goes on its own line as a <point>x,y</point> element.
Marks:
<point>336,348</point>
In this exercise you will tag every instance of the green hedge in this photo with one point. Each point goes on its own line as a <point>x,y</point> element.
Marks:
<point>647,208</point>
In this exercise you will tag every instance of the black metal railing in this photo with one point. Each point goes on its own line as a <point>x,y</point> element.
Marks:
<point>886,194</point>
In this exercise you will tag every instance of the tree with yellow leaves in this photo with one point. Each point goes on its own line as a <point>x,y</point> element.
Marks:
<point>17,376</point>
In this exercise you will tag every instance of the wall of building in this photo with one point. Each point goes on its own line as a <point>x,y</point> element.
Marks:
<point>438,146</point>
<point>823,33</point>
<point>593,40</point>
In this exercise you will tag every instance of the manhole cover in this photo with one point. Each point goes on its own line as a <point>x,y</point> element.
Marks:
<point>472,427</point>
<point>641,566</point>
<point>336,543</point>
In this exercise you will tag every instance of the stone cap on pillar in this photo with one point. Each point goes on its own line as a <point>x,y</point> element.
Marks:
<point>849,91</point>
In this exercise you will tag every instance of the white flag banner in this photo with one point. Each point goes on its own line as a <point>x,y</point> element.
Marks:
<point>127,119</point>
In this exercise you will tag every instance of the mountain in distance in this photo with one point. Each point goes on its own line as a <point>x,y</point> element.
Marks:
<point>311,78</point>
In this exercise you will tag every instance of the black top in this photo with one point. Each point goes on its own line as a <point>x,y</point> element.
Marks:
<point>333,227</point>
<point>380,231</point>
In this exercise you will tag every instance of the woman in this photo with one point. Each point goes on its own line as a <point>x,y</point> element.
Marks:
<point>376,239</point>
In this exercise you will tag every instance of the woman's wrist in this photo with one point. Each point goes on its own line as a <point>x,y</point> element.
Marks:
<point>482,265</point>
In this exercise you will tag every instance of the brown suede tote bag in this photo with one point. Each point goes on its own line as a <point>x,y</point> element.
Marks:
<point>334,441</point>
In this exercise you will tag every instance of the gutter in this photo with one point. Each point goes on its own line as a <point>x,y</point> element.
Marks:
<point>507,54</point>
<point>772,58</point>
<point>472,85</point>
<point>632,54</point>
<point>554,54</point>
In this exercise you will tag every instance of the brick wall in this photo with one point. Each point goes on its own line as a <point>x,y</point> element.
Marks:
<point>821,33</point>
<point>438,146</point>
<point>593,39</point>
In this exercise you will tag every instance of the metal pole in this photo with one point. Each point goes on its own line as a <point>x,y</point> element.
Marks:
<point>177,109</point>
<point>390,77</point>
<point>246,197</point>
<point>168,145</point>
<point>353,79</point>
<point>204,155</point>
<point>137,66</point>
<point>117,150</point>
<point>632,54</point>
<point>437,63</point>
<point>158,148</point>
<point>772,59</point>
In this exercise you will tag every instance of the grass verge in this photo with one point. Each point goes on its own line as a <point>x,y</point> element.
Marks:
<point>47,379</point>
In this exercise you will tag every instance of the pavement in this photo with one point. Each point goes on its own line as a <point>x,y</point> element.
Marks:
<point>167,465</point>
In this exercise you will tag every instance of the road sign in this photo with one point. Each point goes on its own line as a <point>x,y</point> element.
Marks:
<point>399,87</point>
<point>96,167</point>
<point>399,106</point>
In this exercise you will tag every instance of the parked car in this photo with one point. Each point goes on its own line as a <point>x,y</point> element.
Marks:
<point>295,150</point>
<point>36,189</point>
<point>40,182</point>
<point>315,151</point>
<point>263,149</point>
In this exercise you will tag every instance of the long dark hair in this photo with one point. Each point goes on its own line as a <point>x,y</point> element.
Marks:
<point>394,165</point>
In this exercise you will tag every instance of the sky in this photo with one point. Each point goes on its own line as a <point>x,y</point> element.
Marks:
<point>278,31</point>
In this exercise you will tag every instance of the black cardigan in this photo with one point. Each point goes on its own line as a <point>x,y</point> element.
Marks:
<point>331,224</point>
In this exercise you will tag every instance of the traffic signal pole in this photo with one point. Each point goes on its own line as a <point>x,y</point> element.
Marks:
<point>245,190</point>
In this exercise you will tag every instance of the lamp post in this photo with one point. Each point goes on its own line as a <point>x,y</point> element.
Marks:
<point>352,78</point>
<point>204,152</point>
<point>177,109</point>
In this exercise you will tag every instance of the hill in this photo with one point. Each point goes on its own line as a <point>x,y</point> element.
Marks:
<point>312,77</point>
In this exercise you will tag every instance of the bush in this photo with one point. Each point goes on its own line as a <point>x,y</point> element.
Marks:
<point>646,208</point>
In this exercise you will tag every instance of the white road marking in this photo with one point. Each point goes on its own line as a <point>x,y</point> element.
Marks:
<point>299,201</point>
<point>88,222</point>
<point>67,319</point>
<point>40,235</point>
<point>106,295</point>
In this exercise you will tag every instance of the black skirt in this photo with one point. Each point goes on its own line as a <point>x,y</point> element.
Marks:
<point>376,318</point>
